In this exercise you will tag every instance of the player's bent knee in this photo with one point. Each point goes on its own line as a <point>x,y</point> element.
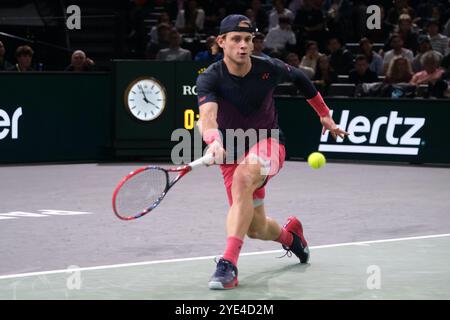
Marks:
<point>256,230</point>
<point>253,234</point>
<point>247,178</point>
<point>242,183</point>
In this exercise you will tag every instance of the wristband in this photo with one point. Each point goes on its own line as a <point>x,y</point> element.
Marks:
<point>319,105</point>
<point>212,135</point>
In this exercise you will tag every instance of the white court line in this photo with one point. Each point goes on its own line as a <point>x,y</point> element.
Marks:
<point>134,264</point>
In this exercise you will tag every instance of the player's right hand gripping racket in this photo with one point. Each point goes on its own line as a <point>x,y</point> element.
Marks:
<point>142,190</point>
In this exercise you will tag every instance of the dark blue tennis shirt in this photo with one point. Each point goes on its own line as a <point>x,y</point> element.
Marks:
<point>247,102</point>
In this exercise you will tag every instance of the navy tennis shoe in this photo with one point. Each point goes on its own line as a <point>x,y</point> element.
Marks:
<point>225,276</point>
<point>299,246</point>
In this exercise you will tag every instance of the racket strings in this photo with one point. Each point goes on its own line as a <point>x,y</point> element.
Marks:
<point>140,192</point>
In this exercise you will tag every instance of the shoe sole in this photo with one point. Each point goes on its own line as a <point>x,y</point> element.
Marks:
<point>306,250</point>
<point>216,285</point>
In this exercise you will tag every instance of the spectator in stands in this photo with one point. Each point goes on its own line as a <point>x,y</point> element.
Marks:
<point>423,47</point>
<point>80,63</point>
<point>405,30</point>
<point>341,19</point>
<point>399,71</point>
<point>438,13</point>
<point>441,89</point>
<point>24,57</point>
<point>432,72</point>
<point>174,52</point>
<point>292,59</point>
<point>430,9</point>
<point>374,59</point>
<point>439,42</point>
<point>361,73</point>
<point>258,45</point>
<point>261,16</point>
<point>295,5</point>
<point>212,52</point>
<point>215,11</point>
<point>138,11</point>
<point>4,64</point>
<point>446,31</point>
<point>324,75</point>
<point>397,50</point>
<point>163,18</point>
<point>310,23</point>
<point>278,11</point>
<point>163,40</point>
<point>341,60</point>
<point>400,7</point>
<point>280,37</point>
<point>311,56</point>
<point>191,19</point>
<point>250,14</point>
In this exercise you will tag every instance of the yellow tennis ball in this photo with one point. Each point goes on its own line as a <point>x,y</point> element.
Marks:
<point>316,160</point>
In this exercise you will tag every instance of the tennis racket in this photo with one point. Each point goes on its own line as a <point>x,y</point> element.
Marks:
<point>142,190</point>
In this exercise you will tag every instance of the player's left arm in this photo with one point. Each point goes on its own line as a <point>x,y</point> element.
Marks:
<point>314,98</point>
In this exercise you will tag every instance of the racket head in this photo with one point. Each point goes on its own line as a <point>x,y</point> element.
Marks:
<point>140,192</point>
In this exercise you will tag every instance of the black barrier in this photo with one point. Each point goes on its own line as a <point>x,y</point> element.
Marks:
<point>54,117</point>
<point>414,131</point>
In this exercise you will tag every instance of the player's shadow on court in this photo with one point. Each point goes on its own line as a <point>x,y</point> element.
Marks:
<point>260,280</point>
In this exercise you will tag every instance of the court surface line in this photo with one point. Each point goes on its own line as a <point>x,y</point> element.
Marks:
<point>134,264</point>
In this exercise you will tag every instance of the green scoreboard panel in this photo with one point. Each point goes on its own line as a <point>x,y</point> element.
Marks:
<point>152,99</point>
<point>186,93</point>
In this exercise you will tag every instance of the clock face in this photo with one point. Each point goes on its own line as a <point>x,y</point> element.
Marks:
<point>145,98</point>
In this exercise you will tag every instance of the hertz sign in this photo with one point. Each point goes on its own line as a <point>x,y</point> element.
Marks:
<point>9,124</point>
<point>401,130</point>
<point>365,135</point>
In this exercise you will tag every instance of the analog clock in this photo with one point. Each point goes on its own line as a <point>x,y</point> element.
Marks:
<point>145,98</point>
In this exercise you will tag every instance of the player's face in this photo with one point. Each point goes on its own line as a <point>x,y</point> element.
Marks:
<point>237,46</point>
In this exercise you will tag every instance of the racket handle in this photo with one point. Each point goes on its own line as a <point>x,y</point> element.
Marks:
<point>206,159</point>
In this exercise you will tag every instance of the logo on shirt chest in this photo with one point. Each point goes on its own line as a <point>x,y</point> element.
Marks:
<point>265,75</point>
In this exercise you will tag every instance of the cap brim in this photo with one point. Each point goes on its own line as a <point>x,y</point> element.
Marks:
<point>239,29</point>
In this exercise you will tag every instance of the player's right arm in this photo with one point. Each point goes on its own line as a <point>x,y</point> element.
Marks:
<point>207,122</point>
<point>208,127</point>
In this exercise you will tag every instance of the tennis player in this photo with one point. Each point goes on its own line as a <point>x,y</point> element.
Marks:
<point>237,93</point>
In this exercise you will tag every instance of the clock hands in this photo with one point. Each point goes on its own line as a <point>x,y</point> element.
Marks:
<point>153,104</point>
<point>145,97</point>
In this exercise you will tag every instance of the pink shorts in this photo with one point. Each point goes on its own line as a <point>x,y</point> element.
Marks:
<point>270,154</point>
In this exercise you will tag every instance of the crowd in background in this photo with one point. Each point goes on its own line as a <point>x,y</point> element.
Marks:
<point>79,62</point>
<point>327,39</point>
<point>411,47</point>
